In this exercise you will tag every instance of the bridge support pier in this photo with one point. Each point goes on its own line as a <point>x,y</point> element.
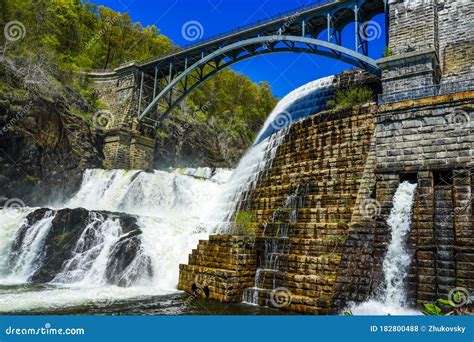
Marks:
<point>127,144</point>
<point>127,150</point>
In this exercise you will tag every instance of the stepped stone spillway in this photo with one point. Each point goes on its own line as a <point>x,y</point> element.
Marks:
<point>355,161</point>
<point>352,161</point>
<point>328,152</point>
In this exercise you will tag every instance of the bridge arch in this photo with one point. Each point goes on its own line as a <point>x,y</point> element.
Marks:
<point>179,87</point>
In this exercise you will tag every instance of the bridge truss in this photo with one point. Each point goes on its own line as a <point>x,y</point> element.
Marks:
<point>165,81</point>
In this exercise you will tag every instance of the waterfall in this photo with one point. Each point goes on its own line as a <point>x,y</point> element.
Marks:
<point>10,220</point>
<point>25,256</point>
<point>274,260</point>
<point>392,298</point>
<point>170,212</point>
<point>297,105</point>
<point>173,211</point>
<point>170,209</point>
<point>88,265</point>
<point>397,260</point>
<point>245,178</point>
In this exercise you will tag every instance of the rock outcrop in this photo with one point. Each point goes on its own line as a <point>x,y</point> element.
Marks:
<point>45,140</point>
<point>76,231</point>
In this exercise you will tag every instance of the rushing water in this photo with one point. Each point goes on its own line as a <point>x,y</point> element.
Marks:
<point>392,299</point>
<point>297,105</point>
<point>274,258</point>
<point>174,210</point>
<point>251,168</point>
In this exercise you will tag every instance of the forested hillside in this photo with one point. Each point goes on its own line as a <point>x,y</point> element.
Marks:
<point>46,104</point>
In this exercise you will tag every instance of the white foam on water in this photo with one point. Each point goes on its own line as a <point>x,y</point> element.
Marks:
<point>70,296</point>
<point>174,211</point>
<point>378,308</point>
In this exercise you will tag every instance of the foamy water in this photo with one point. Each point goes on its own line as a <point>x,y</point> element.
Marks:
<point>172,210</point>
<point>392,299</point>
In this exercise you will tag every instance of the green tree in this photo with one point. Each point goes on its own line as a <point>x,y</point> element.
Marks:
<point>79,36</point>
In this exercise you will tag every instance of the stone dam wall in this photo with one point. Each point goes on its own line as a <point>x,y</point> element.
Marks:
<point>327,155</point>
<point>350,164</point>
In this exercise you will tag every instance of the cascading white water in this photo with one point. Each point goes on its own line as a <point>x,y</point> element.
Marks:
<point>296,106</point>
<point>397,260</point>
<point>30,251</point>
<point>88,265</point>
<point>392,299</point>
<point>10,221</point>
<point>172,211</point>
<point>277,247</point>
<point>244,179</point>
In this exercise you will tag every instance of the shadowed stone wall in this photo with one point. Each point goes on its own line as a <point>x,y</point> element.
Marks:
<point>428,141</point>
<point>127,144</point>
<point>326,155</point>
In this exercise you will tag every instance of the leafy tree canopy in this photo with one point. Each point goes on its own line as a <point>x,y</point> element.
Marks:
<point>80,36</point>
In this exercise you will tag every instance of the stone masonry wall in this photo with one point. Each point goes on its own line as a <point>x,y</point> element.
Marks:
<point>430,42</point>
<point>413,44</point>
<point>127,144</point>
<point>456,39</point>
<point>429,142</point>
<point>351,172</point>
<point>326,154</point>
<point>220,268</point>
<point>425,134</point>
<point>413,25</point>
<point>433,140</point>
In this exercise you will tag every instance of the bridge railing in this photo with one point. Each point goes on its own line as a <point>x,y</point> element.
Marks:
<point>429,91</point>
<point>318,3</point>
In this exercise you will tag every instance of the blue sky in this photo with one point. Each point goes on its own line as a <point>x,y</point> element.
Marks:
<point>284,72</point>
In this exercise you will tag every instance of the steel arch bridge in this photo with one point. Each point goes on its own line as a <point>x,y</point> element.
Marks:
<point>165,81</point>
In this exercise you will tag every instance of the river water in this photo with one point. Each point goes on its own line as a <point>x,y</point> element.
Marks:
<point>173,209</point>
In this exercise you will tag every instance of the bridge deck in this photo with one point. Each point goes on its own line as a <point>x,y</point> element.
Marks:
<point>314,14</point>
